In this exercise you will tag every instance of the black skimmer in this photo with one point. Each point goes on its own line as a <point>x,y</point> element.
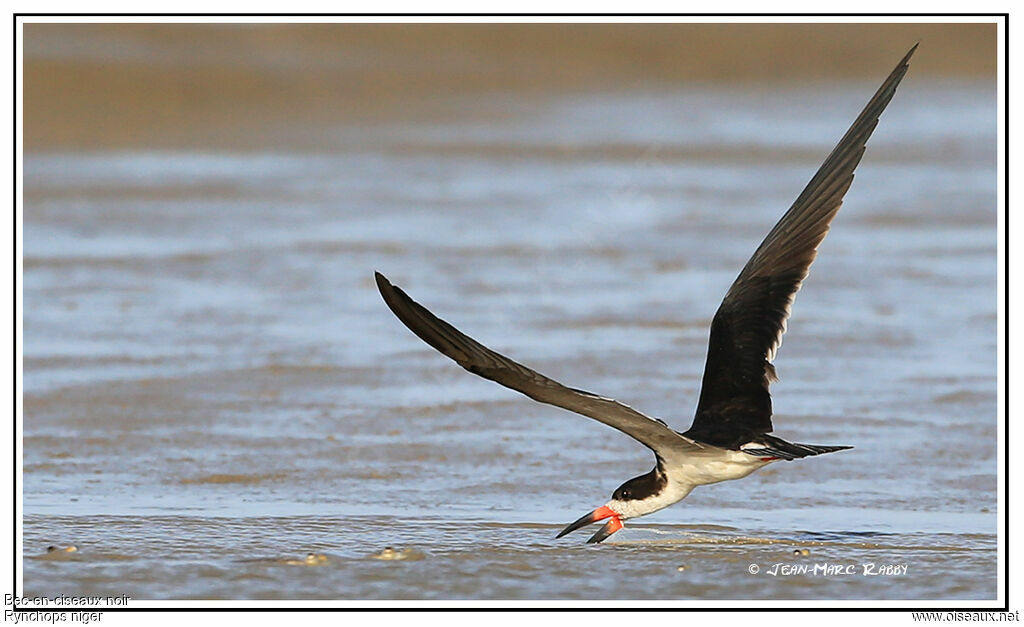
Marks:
<point>729,437</point>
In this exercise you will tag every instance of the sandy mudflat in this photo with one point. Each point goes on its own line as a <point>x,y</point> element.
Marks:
<point>130,85</point>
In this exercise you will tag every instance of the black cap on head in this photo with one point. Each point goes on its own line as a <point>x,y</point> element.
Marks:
<point>641,487</point>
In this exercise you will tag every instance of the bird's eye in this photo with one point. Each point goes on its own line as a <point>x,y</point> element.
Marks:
<point>625,494</point>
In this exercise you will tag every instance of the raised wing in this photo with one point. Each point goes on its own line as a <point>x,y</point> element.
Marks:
<point>482,361</point>
<point>747,330</point>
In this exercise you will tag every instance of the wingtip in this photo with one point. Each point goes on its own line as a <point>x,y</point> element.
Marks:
<point>910,53</point>
<point>387,290</point>
<point>382,281</point>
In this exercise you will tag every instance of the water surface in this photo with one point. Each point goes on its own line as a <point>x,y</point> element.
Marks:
<point>213,386</point>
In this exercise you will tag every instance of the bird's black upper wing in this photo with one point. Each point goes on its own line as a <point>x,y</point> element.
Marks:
<point>735,404</point>
<point>482,361</point>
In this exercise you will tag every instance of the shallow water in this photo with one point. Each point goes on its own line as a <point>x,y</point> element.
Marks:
<point>261,557</point>
<point>212,385</point>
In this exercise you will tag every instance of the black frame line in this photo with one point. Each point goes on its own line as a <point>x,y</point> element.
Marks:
<point>430,608</point>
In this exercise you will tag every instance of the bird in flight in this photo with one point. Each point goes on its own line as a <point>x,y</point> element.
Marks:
<point>731,432</point>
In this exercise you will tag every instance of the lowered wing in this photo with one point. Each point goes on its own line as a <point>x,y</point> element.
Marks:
<point>482,361</point>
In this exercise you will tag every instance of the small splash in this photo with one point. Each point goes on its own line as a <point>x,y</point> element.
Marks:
<point>59,553</point>
<point>311,559</point>
<point>390,554</point>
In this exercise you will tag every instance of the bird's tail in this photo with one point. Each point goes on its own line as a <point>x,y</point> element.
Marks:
<point>777,447</point>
